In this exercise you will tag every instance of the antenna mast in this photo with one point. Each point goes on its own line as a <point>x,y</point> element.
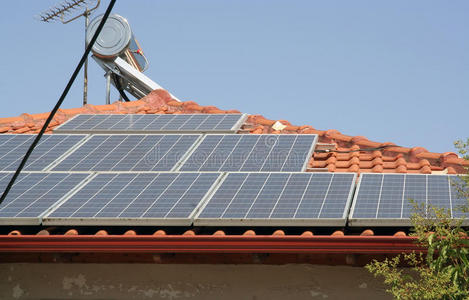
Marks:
<point>59,12</point>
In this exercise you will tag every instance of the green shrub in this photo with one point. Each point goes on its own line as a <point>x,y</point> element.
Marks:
<point>443,271</point>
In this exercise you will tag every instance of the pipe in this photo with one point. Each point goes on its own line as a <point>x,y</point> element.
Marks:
<point>108,87</point>
<point>86,14</point>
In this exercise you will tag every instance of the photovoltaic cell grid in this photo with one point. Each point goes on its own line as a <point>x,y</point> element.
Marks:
<point>121,152</point>
<point>33,194</point>
<point>153,123</point>
<point>14,146</point>
<point>286,199</point>
<point>135,198</point>
<point>251,153</point>
<point>384,199</point>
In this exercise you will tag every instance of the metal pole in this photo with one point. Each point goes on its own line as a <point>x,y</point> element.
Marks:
<point>59,103</point>
<point>58,13</point>
<point>108,87</point>
<point>85,67</point>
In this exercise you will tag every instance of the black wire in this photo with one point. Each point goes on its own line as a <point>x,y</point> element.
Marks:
<point>61,99</point>
<point>118,85</point>
<point>357,150</point>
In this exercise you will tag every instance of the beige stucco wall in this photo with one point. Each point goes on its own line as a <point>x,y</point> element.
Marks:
<point>151,281</point>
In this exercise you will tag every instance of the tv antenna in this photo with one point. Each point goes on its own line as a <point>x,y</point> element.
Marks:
<point>63,12</point>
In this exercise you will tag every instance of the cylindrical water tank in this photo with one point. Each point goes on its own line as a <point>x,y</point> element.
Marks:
<point>116,39</point>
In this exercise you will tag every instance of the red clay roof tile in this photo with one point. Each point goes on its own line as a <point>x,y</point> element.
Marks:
<point>159,232</point>
<point>249,232</point>
<point>72,232</point>
<point>367,232</point>
<point>387,160</point>
<point>338,233</point>
<point>278,232</point>
<point>43,232</point>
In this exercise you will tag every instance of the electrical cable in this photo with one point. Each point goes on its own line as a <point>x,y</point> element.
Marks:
<point>59,103</point>
<point>357,150</point>
<point>118,85</point>
<point>146,60</point>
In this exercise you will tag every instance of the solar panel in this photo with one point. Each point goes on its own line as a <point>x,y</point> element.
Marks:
<point>138,123</point>
<point>135,198</point>
<point>279,199</point>
<point>384,199</point>
<point>13,147</point>
<point>251,153</point>
<point>127,152</point>
<point>34,194</point>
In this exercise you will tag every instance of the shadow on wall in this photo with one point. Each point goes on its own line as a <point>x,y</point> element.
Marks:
<point>146,281</point>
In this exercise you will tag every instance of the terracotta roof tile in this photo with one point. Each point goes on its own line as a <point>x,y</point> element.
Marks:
<point>72,232</point>
<point>249,232</point>
<point>278,232</point>
<point>159,233</point>
<point>101,232</point>
<point>387,160</point>
<point>271,231</point>
<point>43,232</point>
<point>367,232</point>
<point>189,232</point>
<point>338,233</point>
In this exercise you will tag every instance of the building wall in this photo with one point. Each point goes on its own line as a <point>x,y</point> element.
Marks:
<point>157,281</point>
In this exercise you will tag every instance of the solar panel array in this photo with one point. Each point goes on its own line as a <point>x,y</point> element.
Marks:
<point>177,179</point>
<point>115,152</point>
<point>130,198</point>
<point>137,179</point>
<point>13,147</point>
<point>384,199</point>
<point>251,153</point>
<point>140,123</point>
<point>33,194</point>
<point>288,199</point>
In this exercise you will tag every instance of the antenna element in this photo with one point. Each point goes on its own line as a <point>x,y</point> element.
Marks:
<point>59,11</point>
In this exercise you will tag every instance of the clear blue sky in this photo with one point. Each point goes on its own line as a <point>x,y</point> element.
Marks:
<point>389,70</point>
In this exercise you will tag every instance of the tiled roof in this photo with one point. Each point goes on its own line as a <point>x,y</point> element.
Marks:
<point>347,158</point>
<point>341,153</point>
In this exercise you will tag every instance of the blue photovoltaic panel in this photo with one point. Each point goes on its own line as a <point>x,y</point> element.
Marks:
<point>13,147</point>
<point>251,153</point>
<point>135,198</point>
<point>122,152</point>
<point>33,194</point>
<point>153,123</point>
<point>281,199</point>
<point>384,199</point>
<point>459,196</point>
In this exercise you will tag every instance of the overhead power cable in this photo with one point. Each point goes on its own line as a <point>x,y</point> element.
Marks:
<point>59,103</point>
